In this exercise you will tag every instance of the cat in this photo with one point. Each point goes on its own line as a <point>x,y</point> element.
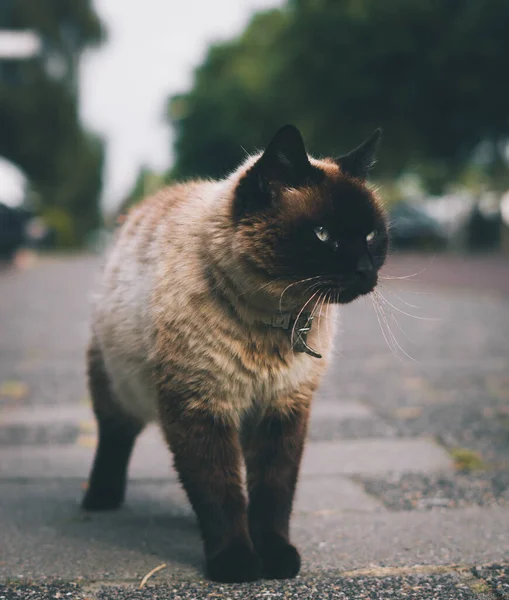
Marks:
<point>213,321</point>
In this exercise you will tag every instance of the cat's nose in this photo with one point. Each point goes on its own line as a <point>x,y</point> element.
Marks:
<point>365,265</point>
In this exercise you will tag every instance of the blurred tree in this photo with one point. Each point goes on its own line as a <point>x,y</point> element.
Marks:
<point>39,122</point>
<point>431,74</point>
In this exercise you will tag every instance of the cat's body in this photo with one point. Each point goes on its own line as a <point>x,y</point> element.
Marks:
<point>187,332</point>
<point>157,304</point>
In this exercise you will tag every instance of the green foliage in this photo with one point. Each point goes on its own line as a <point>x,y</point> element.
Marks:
<point>431,74</point>
<point>39,121</point>
<point>60,22</point>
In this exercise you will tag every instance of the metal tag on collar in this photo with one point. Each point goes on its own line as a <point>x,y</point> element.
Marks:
<point>302,328</point>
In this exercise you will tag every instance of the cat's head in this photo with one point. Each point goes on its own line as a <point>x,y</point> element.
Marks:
<point>298,219</point>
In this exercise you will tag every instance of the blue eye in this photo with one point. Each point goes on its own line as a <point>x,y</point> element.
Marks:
<point>322,234</point>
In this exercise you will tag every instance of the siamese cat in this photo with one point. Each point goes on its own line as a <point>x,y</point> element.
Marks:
<point>213,320</point>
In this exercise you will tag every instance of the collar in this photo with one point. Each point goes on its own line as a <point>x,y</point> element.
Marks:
<point>299,324</point>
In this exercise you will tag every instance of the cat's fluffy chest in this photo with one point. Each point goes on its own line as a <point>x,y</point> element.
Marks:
<point>237,368</point>
<point>231,379</point>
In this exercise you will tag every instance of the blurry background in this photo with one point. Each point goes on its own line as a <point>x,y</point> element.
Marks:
<point>103,102</point>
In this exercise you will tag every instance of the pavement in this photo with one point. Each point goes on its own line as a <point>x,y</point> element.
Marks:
<point>404,491</point>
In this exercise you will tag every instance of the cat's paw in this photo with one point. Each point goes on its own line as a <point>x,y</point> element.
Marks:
<point>234,564</point>
<point>280,559</point>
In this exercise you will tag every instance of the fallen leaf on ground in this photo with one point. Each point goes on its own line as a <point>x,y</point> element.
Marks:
<point>13,389</point>
<point>87,426</point>
<point>407,412</point>
<point>87,441</point>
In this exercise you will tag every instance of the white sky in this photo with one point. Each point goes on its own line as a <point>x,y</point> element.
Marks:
<point>150,54</point>
<point>12,183</point>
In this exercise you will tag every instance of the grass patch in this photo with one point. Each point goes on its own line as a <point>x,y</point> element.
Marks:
<point>480,587</point>
<point>466,460</point>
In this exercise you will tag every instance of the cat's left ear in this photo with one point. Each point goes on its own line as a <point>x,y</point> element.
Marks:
<point>358,162</point>
<point>285,161</point>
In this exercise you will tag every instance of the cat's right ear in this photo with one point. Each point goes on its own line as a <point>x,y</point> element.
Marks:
<point>284,163</point>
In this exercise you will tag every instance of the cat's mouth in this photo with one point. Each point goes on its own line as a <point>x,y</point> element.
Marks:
<point>344,292</point>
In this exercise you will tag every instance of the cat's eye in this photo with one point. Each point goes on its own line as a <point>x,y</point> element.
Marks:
<point>322,234</point>
<point>371,236</point>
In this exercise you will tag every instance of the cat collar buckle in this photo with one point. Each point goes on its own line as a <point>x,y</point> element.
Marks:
<point>299,328</point>
<point>302,326</point>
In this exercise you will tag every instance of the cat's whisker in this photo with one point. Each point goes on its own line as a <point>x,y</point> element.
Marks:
<point>386,328</point>
<point>325,306</point>
<point>262,287</point>
<point>393,316</point>
<point>391,333</point>
<point>402,330</point>
<point>320,320</point>
<point>321,301</point>
<point>298,316</point>
<point>315,311</point>
<point>382,322</point>
<point>384,299</point>
<point>389,277</point>
<point>310,288</point>
<point>374,301</point>
<point>329,296</point>
<point>401,299</point>
<point>295,283</point>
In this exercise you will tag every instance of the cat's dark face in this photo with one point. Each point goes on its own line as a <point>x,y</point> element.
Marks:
<point>314,221</point>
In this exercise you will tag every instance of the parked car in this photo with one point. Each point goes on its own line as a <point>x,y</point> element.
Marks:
<point>413,228</point>
<point>12,231</point>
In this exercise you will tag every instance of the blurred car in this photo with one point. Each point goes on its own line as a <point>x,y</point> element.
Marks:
<point>413,228</point>
<point>12,232</point>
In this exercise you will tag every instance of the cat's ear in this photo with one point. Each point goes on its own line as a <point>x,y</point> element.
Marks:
<point>358,162</point>
<point>284,163</point>
<point>285,160</point>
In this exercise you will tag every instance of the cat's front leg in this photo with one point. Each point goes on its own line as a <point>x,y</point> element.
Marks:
<point>207,457</point>
<point>273,450</point>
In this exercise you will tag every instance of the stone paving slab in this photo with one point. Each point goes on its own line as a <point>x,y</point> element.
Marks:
<point>49,537</point>
<point>336,494</point>
<point>327,494</point>
<point>152,460</point>
<point>42,415</point>
<point>337,409</point>
<point>374,456</point>
<point>62,424</point>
